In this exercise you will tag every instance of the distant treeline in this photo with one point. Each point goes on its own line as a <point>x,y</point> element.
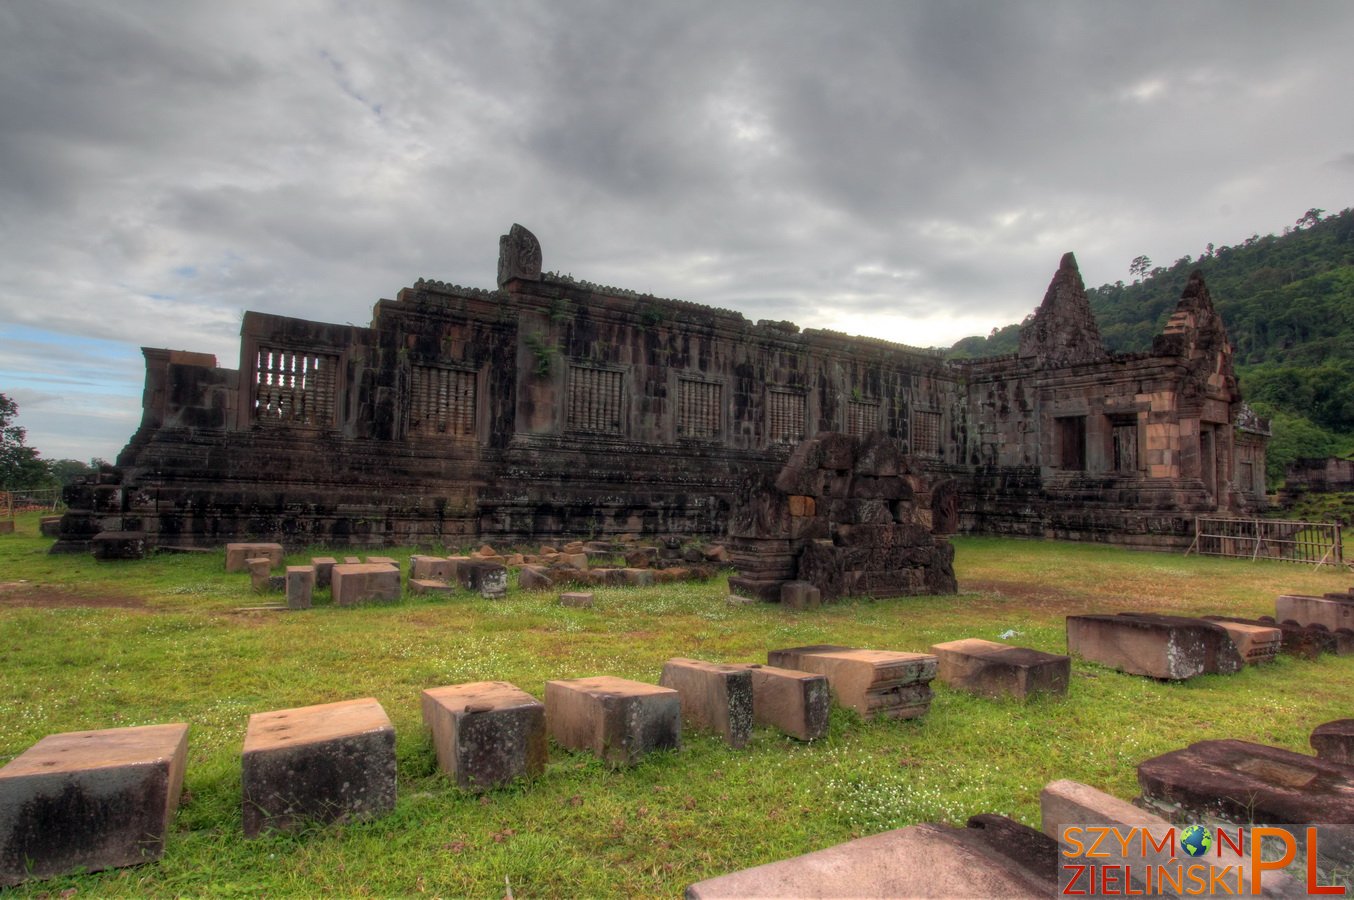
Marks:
<point>1288,304</point>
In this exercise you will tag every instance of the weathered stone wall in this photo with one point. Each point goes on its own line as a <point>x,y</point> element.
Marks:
<point>552,406</point>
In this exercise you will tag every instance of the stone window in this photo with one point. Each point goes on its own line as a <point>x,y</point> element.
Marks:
<point>785,417</point>
<point>1246,476</point>
<point>699,409</point>
<point>1124,434</point>
<point>442,401</point>
<point>1071,435</point>
<point>294,387</point>
<point>925,432</point>
<point>861,417</point>
<point>595,400</point>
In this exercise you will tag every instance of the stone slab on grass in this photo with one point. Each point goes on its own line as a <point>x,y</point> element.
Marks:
<point>1327,612</point>
<point>334,762</point>
<point>872,682</point>
<point>916,861</point>
<point>1241,782</point>
<point>714,697</point>
<point>421,586</point>
<point>1255,643</point>
<point>90,800</point>
<point>797,703</point>
<point>1000,670</point>
<point>238,555</point>
<point>576,599</point>
<point>800,595</point>
<point>1334,741</point>
<point>361,582</point>
<point>1167,647</point>
<point>1303,641</point>
<point>617,719</point>
<point>486,733</point>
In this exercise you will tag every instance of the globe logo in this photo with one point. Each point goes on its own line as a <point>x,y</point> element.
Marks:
<point>1196,840</point>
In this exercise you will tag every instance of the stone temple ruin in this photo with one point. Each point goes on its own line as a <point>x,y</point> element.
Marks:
<point>551,406</point>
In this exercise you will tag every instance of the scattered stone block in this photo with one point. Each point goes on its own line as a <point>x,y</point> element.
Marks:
<point>1296,640</point>
<point>486,551</point>
<point>573,560</point>
<point>354,584</point>
<point>352,560</point>
<point>421,586</point>
<point>573,547</point>
<point>797,703</point>
<point>1329,613</point>
<point>800,595</point>
<point>872,682</point>
<point>324,570</point>
<point>334,762</point>
<point>238,555</point>
<point>636,577</point>
<point>1334,741</point>
<point>1167,647</point>
<point>473,574</point>
<point>534,578</point>
<point>259,571</point>
<point>487,734</point>
<point>718,554</point>
<point>641,557</point>
<point>1069,804</point>
<point>434,568</point>
<point>90,800</point>
<point>916,861</point>
<point>714,697</point>
<point>1000,670</point>
<point>1255,643</point>
<point>300,586</point>
<point>617,719</point>
<point>576,599</point>
<point>48,526</point>
<point>384,561</point>
<point>112,545</point>
<point>1241,782</point>
<point>494,584</point>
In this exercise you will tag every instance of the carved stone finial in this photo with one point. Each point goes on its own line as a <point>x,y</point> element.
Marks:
<point>519,256</point>
<point>1063,330</point>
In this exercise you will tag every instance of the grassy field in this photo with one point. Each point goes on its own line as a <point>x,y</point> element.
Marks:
<point>86,645</point>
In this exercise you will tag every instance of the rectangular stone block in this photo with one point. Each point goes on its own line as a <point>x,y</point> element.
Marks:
<point>714,697</point>
<point>576,599</point>
<point>797,703</point>
<point>383,560</point>
<point>432,568</point>
<point>617,719</point>
<point>334,762</point>
<point>872,682</point>
<point>800,595</point>
<point>237,555</point>
<point>1304,641</point>
<point>1254,643</point>
<point>90,800</point>
<point>324,569</point>
<point>473,574</point>
<point>1329,614</point>
<point>260,568</point>
<point>1000,670</point>
<point>487,733</point>
<point>421,586</point>
<point>1167,647</point>
<point>1334,741</point>
<point>916,861</point>
<point>354,584</point>
<point>300,586</point>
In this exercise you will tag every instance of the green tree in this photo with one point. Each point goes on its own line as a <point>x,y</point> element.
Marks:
<point>1139,267</point>
<point>20,466</point>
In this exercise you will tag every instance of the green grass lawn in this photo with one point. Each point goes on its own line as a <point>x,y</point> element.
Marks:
<point>85,645</point>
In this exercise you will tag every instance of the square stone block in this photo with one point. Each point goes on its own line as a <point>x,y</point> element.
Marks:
<point>383,560</point>
<point>420,586</point>
<point>1167,647</point>
<point>432,568</point>
<point>334,762</point>
<point>617,719</point>
<point>354,584</point>
<point>1334,741</point>
<point>324,569</point>
<point>798,703</point>
<point>872,682</point>
<point>1324,611</point>
<point>90,800</point>
<point>1255,643</point>
<point>577,599</point>
<point>476,574</point>
<point>1000,670</point>
<point>800,595</point>
<point>238,555</point>
<point>714,697</point>
<point>260,568</point>
<point>487,734</point>
<point>300,586</point>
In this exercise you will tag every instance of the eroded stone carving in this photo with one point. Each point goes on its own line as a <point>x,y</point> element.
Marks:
<point>519,256</point>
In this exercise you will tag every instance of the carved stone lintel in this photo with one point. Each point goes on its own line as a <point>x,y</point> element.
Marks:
<point>519,256</point>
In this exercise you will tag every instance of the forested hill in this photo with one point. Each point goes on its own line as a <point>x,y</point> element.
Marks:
<point>1288,304</point>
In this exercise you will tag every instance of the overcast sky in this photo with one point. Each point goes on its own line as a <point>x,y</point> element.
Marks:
<point>907,170</point>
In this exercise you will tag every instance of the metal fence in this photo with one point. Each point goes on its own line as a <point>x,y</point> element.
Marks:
<point>30,500</point>
<point>1314,543</point>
